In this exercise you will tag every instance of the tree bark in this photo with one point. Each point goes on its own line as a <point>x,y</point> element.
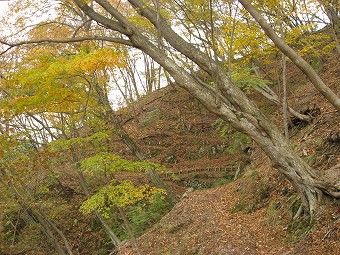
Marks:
<point>284,98</point>
<point>293,56</point>
<point>227,101</point>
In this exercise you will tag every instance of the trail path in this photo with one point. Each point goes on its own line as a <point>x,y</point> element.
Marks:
<point>204,223</point>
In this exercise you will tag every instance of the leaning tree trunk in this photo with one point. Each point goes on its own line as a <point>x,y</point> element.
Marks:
<point>250,122</point>
<point>293,56</point>
<point>227,100</point>
<point>39,218</point>
<point>129,230</point>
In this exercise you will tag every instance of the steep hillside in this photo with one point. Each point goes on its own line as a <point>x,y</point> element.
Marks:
<point>252,215</point>
<point>173,129</point>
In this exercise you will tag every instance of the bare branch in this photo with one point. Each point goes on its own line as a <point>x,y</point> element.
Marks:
<point>81,26</point>
<point>69,40</point>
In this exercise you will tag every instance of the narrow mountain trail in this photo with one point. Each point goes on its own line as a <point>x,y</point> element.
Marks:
<point>204,223</point>
<point>207,222</point>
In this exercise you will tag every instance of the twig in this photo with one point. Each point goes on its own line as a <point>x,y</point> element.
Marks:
<point>327,234</point>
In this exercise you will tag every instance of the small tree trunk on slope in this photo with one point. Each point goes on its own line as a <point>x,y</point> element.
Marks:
<point>40,219</point>
<point>154,177</point>
<point>129,230</point>
<point>115,240</point>
<point>60,233</point>
<point>293,56</point>
<point>284,99</point>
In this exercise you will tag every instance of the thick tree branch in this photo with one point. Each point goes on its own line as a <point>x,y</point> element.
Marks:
<point>69,40</point>
<point>114,12</point>
<point>109,23</point>
<point>173,38</point>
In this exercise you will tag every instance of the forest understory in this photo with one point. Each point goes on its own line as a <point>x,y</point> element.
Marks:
<point>184,127</point>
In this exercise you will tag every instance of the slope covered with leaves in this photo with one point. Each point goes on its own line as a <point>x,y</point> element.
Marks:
<point>252,215</point>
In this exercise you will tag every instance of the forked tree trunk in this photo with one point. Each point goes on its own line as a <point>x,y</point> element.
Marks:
<point>272,97</point>
<point>226,100</point>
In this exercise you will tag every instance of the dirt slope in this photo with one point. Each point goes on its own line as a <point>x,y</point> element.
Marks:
<point>202,223</point>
